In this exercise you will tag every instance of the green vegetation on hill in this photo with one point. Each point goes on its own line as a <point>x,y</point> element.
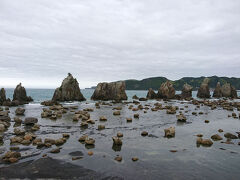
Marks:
<point>155,82</point>
<point>145,84</point>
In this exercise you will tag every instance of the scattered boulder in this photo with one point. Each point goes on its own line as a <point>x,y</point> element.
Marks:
<point>216,137</point>
<point>134,159</point>
<point>30,121</point>
<point>68,91</point>
<point>169,132</point>
<point>142,99</point>
<point>102,118</point>
<point>129,119</point>
<point>217,91</point>
<point>14,148</point>
<point>101,127</point>
<point>35,127</point>
<point>135,97</point>
<point>56,150</point>
<point>83,138</point>
<point>90,153</point>
<point>230,136</point>
<point>203,91</point>
<point>117,141</point>
<point>110,91</point>
<point>16,139</point>
<point>204,142</point>
<point>19,111</point>
<point>119,134</point>
<point>60,141</point>
<point>151,94</point>
<point>18,131</point>
<point>186,91</point>
<point>49,103</point>
<point>20,95</point>
<point>166,90</point>
<point>11,156</point>
<point>84,125</point>
<point>49,140</point>
<point>199,135</point>
<point>118,158</point>
<point>89,141</point>
<point>206,121</point>
<point>136,116</point>
<point>65,135</point>
<point>8,102</point>
<point>116,113</point>
<point>181,118</point>
<point>220,130</point>
<point>144,133</point>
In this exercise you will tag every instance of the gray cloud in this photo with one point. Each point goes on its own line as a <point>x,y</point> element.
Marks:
<point>101,40</point>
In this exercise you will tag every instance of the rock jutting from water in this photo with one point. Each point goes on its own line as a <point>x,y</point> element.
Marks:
<point>20,95</point>
<point>217,91</point>
<point>228,91</point>
<point>151,94</point>
<point>203,91</point>
<point>110,91</point>
<point>2,96</point>
<point>68,91</point>
<point>166,90</point>
<point>186,91</point>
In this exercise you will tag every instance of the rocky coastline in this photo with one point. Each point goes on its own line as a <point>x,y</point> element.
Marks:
<point>55,127</point>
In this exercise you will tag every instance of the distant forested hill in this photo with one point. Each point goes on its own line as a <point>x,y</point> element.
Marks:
<point>155,82</point>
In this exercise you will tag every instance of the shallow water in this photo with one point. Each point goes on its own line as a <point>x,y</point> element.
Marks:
<point>155,159</point>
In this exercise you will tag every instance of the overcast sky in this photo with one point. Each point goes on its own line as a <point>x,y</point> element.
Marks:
<point>108,40</point>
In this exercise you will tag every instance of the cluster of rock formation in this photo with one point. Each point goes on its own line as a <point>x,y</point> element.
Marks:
<point>110,91</point>
<point>19,97</point>
<point>167,91</point>
<point>227,90</point>
<point>68,91</point>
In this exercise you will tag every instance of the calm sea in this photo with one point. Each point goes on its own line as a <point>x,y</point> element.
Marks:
<point>40,95</point>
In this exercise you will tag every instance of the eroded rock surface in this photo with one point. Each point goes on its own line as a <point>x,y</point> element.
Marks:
<point>2,96</point>
<point>203,91</point>
<point>166,90</point>
<point>228,91</point>
<point>186,91</point>
<point>20,95</point>
<point>68,91</point>
<point>151,94</point>
<point>110,91</point>
<point>217,91</point>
